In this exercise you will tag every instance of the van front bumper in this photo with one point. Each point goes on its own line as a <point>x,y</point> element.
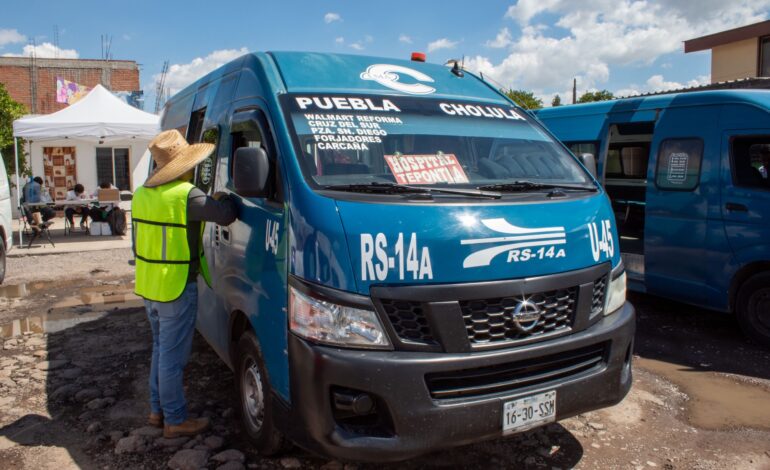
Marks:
<point>411,420</point>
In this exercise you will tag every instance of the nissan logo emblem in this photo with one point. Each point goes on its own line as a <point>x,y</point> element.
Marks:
<point>526,315</point>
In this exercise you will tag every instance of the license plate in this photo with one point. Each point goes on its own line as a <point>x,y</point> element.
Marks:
<point>529,412</point>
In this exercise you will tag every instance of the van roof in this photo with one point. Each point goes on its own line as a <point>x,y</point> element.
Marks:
<point>308,72</point>
<point>759,98</point>
<point>312,72</point>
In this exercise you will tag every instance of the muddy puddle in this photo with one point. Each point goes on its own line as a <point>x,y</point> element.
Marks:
<point>716,401</point>
<point>84,304</point>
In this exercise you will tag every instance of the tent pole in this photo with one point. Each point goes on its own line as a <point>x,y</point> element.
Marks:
<point>18,190</point>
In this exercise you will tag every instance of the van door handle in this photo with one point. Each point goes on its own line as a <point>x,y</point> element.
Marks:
<point>735,207</point>
<point>225,235</point>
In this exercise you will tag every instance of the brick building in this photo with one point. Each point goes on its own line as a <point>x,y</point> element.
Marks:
<point>32,81</point>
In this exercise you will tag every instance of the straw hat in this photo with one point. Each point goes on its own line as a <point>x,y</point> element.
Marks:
<point>173,157</point>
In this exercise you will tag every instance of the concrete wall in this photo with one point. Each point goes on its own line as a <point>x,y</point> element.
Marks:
<point>734,60</point>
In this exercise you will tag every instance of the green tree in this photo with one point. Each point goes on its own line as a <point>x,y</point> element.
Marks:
<point>10,110</point>
<point>525,99</point>
<point>591,96</point>
<point>556,101</point>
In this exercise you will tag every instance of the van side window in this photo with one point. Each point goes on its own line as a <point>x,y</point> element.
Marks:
<point>751,161</point>
<point>627,160</point>
<point>204,172</point>
<point>253,136</point>
<point>679,162</point>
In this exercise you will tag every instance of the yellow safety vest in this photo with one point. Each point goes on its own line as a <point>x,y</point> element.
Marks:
<point>159,219</point>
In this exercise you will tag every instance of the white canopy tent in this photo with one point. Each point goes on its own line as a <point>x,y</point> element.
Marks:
<point>99,117</point>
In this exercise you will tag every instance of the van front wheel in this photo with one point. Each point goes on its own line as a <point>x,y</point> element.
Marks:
<point>254,398</point>
<point>753,308</point>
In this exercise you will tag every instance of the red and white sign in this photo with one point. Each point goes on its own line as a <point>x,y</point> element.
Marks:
<point>426,169</point>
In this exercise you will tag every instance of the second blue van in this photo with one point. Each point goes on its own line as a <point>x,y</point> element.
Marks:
<point>417,263</point>
<point>688,176</point>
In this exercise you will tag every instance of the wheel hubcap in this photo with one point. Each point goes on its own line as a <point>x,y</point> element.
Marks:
<point>252,396</point>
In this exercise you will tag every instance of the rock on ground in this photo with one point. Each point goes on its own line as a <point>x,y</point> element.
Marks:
<point>188,459</point>
<point>229,455</point>
<point>131,444</point>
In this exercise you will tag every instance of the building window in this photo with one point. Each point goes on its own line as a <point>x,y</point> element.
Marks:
<point>764,56</point>
<point>679,162</point>
<point>751,161</point>
<point>112,166</point>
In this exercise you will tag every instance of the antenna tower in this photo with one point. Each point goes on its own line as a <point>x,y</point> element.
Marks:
<point>160,89</point>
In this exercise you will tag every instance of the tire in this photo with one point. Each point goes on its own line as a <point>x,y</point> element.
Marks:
<point>753,308</point>
<point>2,261</point>
<point>254,398</point>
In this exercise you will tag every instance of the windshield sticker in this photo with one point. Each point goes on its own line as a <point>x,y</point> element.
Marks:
<point>677,168</point>
<point>348,131</point>
<point>426,169</point>
<point>341,103</point>
<point>601,239</point>
<point>388,75</point>
<point>407,258</point>
<point>474,110</point>
<point>521,244</point>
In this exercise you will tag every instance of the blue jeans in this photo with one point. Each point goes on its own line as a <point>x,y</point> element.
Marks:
<point>173,325</point>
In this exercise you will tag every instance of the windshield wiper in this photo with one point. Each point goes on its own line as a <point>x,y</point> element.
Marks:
<point>524,186</point>
<point>393,188</point>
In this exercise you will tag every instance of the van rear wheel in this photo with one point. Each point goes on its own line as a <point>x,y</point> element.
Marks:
<point>255,397</point>
<point>2,261</point>
<point>753,308</point>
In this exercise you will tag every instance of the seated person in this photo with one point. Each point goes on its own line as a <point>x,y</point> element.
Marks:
<point>99,213</point>
<point>32,192</point>
<point>102,185</point>
<point>76,193</point>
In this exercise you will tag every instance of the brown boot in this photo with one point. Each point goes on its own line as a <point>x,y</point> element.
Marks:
<point>155,420</point>
<point>191,427</point>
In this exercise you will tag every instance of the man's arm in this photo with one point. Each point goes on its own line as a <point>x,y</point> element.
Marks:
<point>203,208</point>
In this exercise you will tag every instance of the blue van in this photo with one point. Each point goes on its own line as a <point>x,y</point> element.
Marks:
<point>688,178</point>
<point>417,263</point>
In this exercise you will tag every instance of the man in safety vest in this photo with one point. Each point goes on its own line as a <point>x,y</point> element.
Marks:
<point>167,216</point>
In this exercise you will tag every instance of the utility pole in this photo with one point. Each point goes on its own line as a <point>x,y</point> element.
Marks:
<point>574,90</point>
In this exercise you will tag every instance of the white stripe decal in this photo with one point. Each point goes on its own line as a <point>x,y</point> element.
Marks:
<point>502,226</point>
<point>513,239</point>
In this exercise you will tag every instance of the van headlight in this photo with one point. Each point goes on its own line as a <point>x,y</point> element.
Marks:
<point>616,293</point>
<point>330,323</point>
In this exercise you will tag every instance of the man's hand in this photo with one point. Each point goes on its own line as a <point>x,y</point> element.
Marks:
<point>219,195</point>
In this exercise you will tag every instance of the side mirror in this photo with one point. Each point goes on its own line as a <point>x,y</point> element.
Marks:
<point>251,169</point>
<point>588,161</point>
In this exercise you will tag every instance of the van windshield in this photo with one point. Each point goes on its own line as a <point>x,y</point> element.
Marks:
<point>345,140</point>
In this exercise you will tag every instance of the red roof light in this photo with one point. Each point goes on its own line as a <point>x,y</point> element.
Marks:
<point>418,56</point>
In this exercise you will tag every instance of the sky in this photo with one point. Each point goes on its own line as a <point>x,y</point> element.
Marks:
<point>625,46</point>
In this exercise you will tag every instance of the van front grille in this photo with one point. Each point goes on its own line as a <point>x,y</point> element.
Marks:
<point>408,320</point>
<point>597,300</point>
<point>517,375</point>
<point>491,320</point>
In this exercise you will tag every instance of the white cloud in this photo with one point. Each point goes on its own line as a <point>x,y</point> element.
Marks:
<point>368,38</point>
<point>357,46</point>
<point>332,17</point>
<point>11,36</point>
<point>181,75</point>
<point>46,50</point>
<point>592,36</point>
<point>403,38</point>
<point>503,39</point>
<point>126,37</point>
<point>659,83</point>
<point>442,43</point>
<point>339,40</point>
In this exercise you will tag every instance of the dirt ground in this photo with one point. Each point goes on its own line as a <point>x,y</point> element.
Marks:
<point>75,356</point>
